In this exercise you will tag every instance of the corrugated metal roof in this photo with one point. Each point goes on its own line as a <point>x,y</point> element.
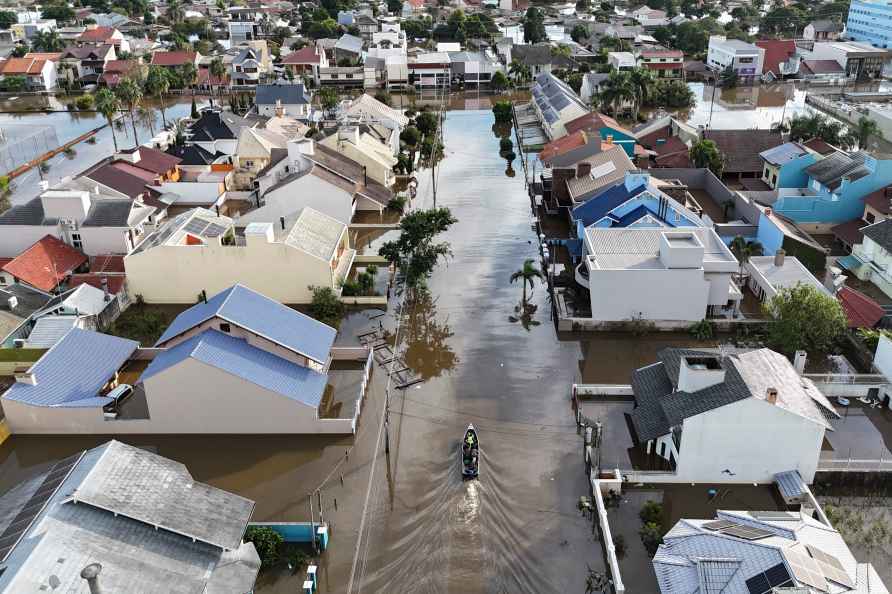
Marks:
<point>237,357</point>
<point>49,330</point>
<point>71,373</point>
<point>261,315</point>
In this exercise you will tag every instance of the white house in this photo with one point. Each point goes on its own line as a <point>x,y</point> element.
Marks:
<point>295,99</point>
<point>198,251</point>
<point>769,274</point>
<point>744,58</point>
<point>622,60</point>
<point>89,222</point>
<point>375,157</point>
<point>761,551</point>
<point>556,104</point>
<point>235,363</point>
<point>365,109</point>
<point>872,258</point>
<point>658,273</point>
<point>739,418</point>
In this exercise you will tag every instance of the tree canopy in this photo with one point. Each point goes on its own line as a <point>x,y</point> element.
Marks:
<point>534,25</point>
<point>705,154</point>
<point>805,318</point>
<point>415,253</point>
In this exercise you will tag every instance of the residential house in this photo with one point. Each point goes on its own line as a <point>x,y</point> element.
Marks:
<point>742,149</point>
<point>872,258</point>
<point>175,59</point>
<point>650,18</point>
<point>375,157</point>
<point>591,85</point>
<point>411,8</point>
<point>775,158</point>
<point>194,160</point>
<point>318,177</point>
<point>346,17</point>
<point>431,70</point>
<point>18,302</point>
<point>90,223</point>
<point>366,109</point>
<point>753,551</point>
<point>877,207</point>
<point>556,104</point>
<point>768,275</point>
<point>860,60</point>
<point>827,191</point>
<point>88,61</point>
<point>391,67</point>
<point>45,265</point>
<point>664,63</point>
<point>243,24</point>
<point>27,28</point>
<point>86,516</point>
<point>868,22</point>
<point>295,99</point>
<point>608,128</point>
<point>256,149</point>
<point>825,30</point>
<point>367,26</point>
<point>197,251</point>
<point>622,60</point>
<point>622,267</point>
<point>306,62</point>
<point>348,77</point>
<point>391,36</point>
<point>348,49</point>
<point>568,157</point>
<point>742,57</point>
<point>827,70</point>
<point>861,311</point>
<point>472,69</point>
<point>776,232</point>
<point>96,35</point>
<point>39,73</point>
<point>116,70</point>
<point>781,58</point>
<point>729,418</point>
<point>249,64</point>
<point>215,131</point>
<point>595,174</point>
<point>540,57</point>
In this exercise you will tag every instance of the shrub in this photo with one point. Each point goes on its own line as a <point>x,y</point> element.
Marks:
<point>326,307</point>
<point>651,537</point>
<point>505,145</point>
<point>619,543</point>
<point>651,512</point>
<point>701,330</point>
<point>502,111</point>
<point>84,102</point>
<point>266,541</point>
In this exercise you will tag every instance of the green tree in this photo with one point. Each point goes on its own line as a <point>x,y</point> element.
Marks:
<point>61,13</point>
<point>130,94</point>
<point>14,83</point>
<point>805,318</point>
<point>499,81</point>
<point>146,118</point>
<point>691,37</point>
<point>651,535</point>
<point>579,33</point>
<point>426,122</point>
<point>7,19</point>
<point>502,112</point>
<point>108,105</point>
<point>328,99</point>
<point>175,11</point>
<point>705,154</point>
<point>729,77</point>
<point>519,71</point>
<point>616,91</point>
<point>158,84</point>
<point>267,542</point>
<point>743,250</point>
<point>643,82</point>
<point>534,26</point>
<point>410,136</point>
<point>863,130</point>
<point>672,94</point>
<point>415,253</point>
<point>651,512</point>
<point>384,97</point>
<point>47,41</point>
<point>188,75</point>
<point>527,274</point>
<point>395,6</point>
<point>19,51</point>
<point>326,307</point>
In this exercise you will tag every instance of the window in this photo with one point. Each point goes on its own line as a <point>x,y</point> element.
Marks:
<point>249,164</point>
<point>76,241</point>
<point>745,60</point>
<point>869,218</point>
<point>225,327</point>
<point>2,280</point>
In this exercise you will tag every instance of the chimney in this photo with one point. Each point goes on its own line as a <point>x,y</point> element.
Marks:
<point>779,258</point>
<point>24,375</point>
<point>771,395</point>
<point>280,109</point>
<point>282,222</point>
<point>91,574</point>
<point>799,360</point>
<point>583,168</point>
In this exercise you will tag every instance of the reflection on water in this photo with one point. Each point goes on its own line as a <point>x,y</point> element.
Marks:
<point>426,338</point>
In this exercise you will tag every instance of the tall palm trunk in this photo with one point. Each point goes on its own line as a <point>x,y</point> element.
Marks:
<point>161,106</point>
<point>524,292</point>
<point>111,125</point>
<point>133,123</point>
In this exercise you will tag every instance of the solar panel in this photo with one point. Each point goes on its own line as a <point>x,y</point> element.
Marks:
<point>773,577</point>
<point>718,525</point>
<point>196,226</point>
<point>214,230</point>
<point>806,570</point>
<point>831,567</point>
<point>23,520</point>
<point>777,516</point>
<point>777,575</point>
<point>758,584</point>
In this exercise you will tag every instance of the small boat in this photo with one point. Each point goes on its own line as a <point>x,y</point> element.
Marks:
<point>470,454</point>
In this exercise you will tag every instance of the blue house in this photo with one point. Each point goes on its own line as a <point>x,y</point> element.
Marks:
<point>834,187</point>
<point>784,165</point>
<point>634,202</point>
<point>608,128</point>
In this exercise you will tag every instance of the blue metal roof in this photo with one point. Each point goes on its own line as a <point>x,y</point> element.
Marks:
<point>261,315</point>
<point>72,372</point>
<point>783,153</point>
<point>234,355</point>
<point>598,206</point>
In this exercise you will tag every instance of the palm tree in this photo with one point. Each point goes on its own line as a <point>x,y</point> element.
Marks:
<point>108,105</point>
<point>48,41</point>
<point>527,275</point>
<point>130,94</point>
<point>189,75</point>
<point>743,250</point>
<point>218,70</point>
<point>642,81</point>
<point>617,90</point>
<point>158,83</point>
<point>175,12</point>
<point>519,71</point>
<point>863,130</point>
<point>146,118</point>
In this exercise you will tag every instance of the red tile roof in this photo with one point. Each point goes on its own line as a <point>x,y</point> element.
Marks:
<point>98,35</point>
<point>881,200</point>
<point>22,66</point>
<point>155,161</point>
<point>849,232</point>
<point>672,145</point>
<point>861,310</point>
<point>563,144</point>
<point>46,263</point>
<point>776,51</point>
<point>173,58</point>
<point>115,281</point>
<point>130,169</point>
<point>823,66</point>
<point>110,263</point>
<point>650,140</point>
<point>305,55</point>
<point>51,56</point>
<point>205,78</point>
<point>819,146</point>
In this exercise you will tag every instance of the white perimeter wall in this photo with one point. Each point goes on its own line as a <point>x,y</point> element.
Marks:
<point>654,294</point>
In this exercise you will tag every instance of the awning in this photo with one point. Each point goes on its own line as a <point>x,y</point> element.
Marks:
<point>850,262</point>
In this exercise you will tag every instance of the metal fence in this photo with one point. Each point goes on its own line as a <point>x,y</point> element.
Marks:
<point>20,144</point>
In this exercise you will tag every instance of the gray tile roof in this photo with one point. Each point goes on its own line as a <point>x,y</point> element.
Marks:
<point>602,175</point>
<point>832,169</point>
<point>108,213</point>
<point>294,94</point>
<point>349,43</point>
<point>90,518</point>
<point>880,233</point>
<point>661,406</point>
<point>71,374</point>
<point>30,213</point>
